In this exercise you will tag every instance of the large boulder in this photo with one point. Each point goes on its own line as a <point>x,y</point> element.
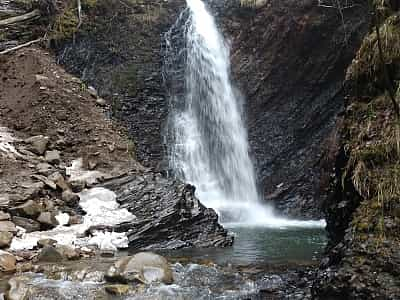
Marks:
<point>168,215</point>
<point>144,267</point>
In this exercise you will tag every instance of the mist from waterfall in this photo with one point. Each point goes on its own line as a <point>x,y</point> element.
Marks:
<point>208,143</point>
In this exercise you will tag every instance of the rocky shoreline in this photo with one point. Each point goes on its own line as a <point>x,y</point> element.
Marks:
<point>58,154</point>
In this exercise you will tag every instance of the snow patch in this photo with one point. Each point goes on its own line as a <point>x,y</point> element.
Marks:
<point>6,140</point>
<point>102,209</point>
<point>77,173</point>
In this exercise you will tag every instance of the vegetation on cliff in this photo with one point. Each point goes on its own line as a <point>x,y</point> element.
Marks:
<point>364,216</point>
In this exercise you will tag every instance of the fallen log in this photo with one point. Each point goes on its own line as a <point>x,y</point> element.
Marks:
<point>20,46</point>
<point>33,14</point>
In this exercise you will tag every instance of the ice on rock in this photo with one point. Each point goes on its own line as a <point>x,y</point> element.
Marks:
<point>6,140</point>
<point>77,173</point>
<point>101,208</point>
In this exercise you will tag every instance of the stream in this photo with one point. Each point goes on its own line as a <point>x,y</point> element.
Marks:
<point>264,263</point>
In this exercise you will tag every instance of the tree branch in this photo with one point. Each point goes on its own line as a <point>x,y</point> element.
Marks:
<point>33,14</point>
<point>20,46</point>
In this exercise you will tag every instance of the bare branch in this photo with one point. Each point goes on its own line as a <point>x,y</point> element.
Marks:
<point>20,46</point>
<point>33,14</point>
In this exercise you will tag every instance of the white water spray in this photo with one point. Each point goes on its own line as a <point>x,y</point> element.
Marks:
<point>210,148</point>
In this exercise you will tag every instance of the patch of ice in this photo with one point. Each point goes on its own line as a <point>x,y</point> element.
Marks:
<point>77,173</point>
<point>6,140</point>
<point>101,209</point>
<point>108,240</point>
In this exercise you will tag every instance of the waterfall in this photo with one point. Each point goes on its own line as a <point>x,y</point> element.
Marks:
<point>207,138</point>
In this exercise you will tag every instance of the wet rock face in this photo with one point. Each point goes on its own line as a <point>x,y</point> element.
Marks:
<point>168,215</point>
<point>289,59</point>
<point>118,52</point>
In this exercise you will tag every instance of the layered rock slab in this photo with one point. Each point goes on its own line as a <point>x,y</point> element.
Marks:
<point>168,214</point>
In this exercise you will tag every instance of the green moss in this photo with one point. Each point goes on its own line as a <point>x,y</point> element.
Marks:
<point>65,25</point>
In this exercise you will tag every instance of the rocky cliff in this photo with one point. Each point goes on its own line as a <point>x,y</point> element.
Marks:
<point>363,217</point>
<point>117,49</point>
<point>289,59</point>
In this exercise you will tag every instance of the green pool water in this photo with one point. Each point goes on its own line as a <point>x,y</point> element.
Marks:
<point>262,245</point>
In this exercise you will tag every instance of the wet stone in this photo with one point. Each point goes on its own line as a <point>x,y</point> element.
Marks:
<point>117,289</point>
<point>145,267</point>
<point>68,252</point>
<point>49,254</point>
<point>59,180</point>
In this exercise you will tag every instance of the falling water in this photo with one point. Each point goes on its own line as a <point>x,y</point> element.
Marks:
<point>208,146</point>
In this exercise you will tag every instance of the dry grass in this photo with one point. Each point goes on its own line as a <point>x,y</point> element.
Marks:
<point>367,63</point>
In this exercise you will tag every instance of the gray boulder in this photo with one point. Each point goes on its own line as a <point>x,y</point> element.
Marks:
<point>144,267</point>
<point>38,144</point>
<point>28,224</point>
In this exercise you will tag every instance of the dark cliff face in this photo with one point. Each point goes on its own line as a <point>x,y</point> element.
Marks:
<point>363,216</point>
<point>118,51</point>
<point>289,60</point>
